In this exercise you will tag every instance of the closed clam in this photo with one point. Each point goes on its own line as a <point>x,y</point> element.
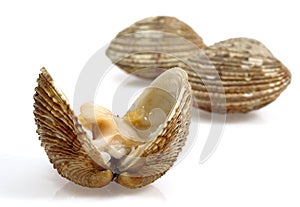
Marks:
<point>236,75</point>
<point>98,147</point>
<point>155,44</point>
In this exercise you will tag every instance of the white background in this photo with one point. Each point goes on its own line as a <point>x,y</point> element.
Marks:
<point>257,160</point>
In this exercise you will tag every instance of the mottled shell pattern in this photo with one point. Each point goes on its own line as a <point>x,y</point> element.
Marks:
<point>153,43</point>
<point>237,75</point>
<point>248,76</point>
<point>139,149</point>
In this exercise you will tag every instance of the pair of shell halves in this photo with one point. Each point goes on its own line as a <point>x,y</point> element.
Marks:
<point>237,75</point>
<point>98,147</point>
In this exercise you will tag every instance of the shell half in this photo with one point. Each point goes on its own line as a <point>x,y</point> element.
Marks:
<point>98,147</point>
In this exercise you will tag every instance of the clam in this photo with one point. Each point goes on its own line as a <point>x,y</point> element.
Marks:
<point>154,43</point>
<point>98,147</point>
<point>237,75</point>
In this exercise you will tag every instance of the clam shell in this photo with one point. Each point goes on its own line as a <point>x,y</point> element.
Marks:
<point>76,158</point>
<point>159,154</point>
<point>61,136</point>
<point>237,75</point>
<point>153,43</point>
<point>250,77</point>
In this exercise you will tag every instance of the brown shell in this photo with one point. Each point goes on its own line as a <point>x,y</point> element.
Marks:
<point>70,150</point>
<point>59,132</point>
<point>155,42</point>
<point>237,75</point>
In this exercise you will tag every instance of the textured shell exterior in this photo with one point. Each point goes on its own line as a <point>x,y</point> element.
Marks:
<point>250,77</point>
<point>58,131</point>
<point>154,42</point>
<point>73,155</point>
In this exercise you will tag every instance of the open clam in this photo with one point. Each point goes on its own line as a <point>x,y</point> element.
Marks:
<point>153,43</point>
<point>98,147</point>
